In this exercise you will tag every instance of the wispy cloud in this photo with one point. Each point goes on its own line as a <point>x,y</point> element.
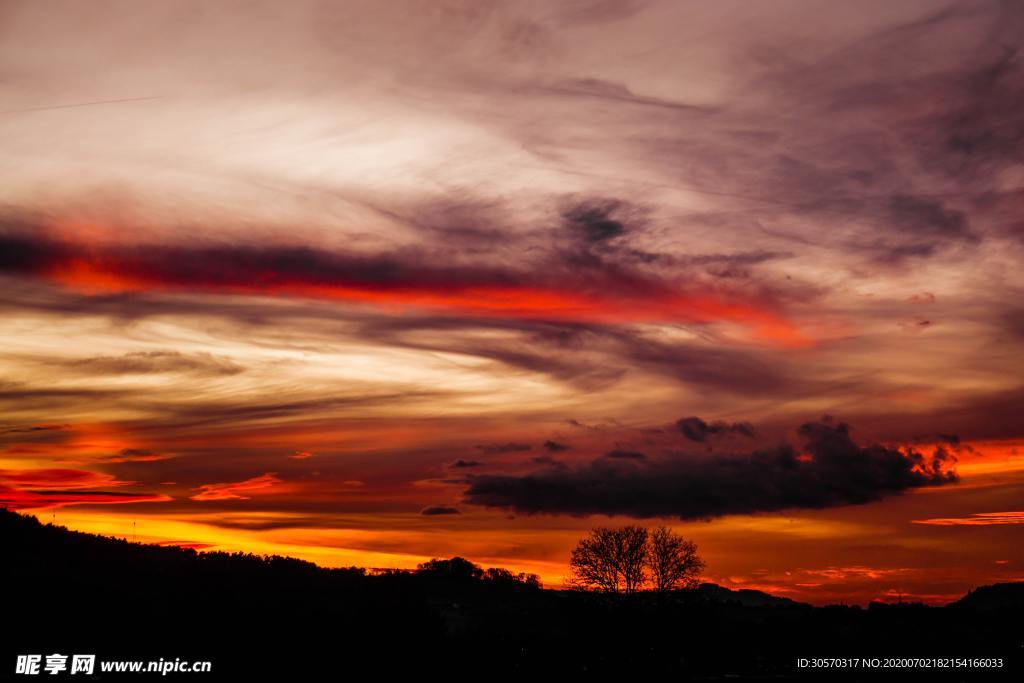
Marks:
<point>238,490</point>
<point>977,519</point>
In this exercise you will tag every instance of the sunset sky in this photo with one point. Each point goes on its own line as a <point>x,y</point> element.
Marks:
<point>373,282</point>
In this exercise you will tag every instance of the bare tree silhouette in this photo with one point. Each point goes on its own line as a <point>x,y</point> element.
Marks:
<point>611,560</point>
<point>673,561</point>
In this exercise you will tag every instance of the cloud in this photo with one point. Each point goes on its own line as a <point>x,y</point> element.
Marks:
<point>60,478</point>
<point>149,362</point>
<point>555,446</point>
<point>32,429</point>
<point>134,455</point>
<point>594,357</point>
<point>696,429</point>
<point>718,367</point>
<point>462,464</point>
<point>56,487</point>
<point>977,519</point>
<point>37,434</point>
<point>236,490</point>
<point>594,220</point>
<point>555,286</point>
<point>829,470</point>
<point>26,396</point>
<point>204,413</point>
<point>928,216</point>
<point>21,499</point>
<point>498,448</point>
<point>625,455</point>
<point>434,510</point>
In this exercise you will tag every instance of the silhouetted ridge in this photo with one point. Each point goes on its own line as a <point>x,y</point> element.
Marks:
<point>999,596</point>
<point>70,592</point>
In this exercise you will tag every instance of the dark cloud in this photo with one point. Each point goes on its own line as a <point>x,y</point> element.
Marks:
<point>830,470</point>
<point>1012,320</point>
<point>22,396</point>
<point>431,274</point>
<point>897,254</point>
<point>560,350</point>
<point>930,216</point>
<point>736,265</point>
<point>696,429</point>
<point>148,362</point>
<point>594,220</point>
<point>245,267</point>
<point>36,434</point>
<point>973,416</point>
<point>510,447</point>
<point>462,464</point>
<point>134,455</point>
<point>554,446</point>
<point>625,455</point>
<point>615,93</point>
<point>910,226</point>
<point>595,356</point>
<point>434,510</point>
<point>32,429</point>
<point>601,285</point>
<point>202,413</point>
<point>916,326</point>
<point>735,371</point>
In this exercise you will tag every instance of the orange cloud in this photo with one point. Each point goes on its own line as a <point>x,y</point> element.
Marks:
<point>233,490</point>
<point>23,499</point>
<point>80,443</point>
<point>855,572</point>
<point>58,478</point>
<point>53,487</point>
<point>977,519</point>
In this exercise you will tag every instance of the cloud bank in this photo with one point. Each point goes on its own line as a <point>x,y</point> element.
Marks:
<point>829,470</point>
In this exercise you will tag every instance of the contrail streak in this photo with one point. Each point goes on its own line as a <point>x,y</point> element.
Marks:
<point>81,104</point>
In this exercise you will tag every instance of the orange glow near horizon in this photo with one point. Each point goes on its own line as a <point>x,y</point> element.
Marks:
<point>403,541</point>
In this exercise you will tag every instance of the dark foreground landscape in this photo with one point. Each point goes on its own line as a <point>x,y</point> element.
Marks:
<point>70,592</point>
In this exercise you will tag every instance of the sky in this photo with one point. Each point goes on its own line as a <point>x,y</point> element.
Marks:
<point>369,283</point>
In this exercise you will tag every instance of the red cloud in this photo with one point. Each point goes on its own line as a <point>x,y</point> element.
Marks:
<point>231,490</point>
<point>44,488</point>
<point>977,519</point>
<point>58,478</point>
<point>383,281</point>
<point>21,499</point>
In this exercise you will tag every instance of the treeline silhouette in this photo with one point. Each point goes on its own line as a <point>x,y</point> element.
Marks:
<point>75,593</point>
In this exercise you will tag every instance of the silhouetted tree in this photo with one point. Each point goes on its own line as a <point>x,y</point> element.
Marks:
<point>611,560</point>
<point>457,569</point>
<point>500,576</point>
<point>673,560</point>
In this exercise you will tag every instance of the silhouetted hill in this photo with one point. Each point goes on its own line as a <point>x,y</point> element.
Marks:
<point>282,618</point>
<point>997,597</point>
<point>748,598</point>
